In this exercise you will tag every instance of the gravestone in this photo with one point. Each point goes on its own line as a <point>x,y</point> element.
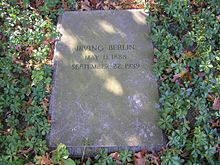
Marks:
<point>104,94</point>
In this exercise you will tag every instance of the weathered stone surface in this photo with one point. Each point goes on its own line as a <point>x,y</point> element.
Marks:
<point>104,93</point>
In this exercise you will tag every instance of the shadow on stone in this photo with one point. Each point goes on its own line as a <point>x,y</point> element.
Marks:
<point>104,94</point>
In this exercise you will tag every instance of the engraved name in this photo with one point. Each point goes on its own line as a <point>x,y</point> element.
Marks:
<point>102,47</point>
<point>103,59</point>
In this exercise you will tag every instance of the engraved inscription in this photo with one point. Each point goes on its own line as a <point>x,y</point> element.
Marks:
<point>89,58</point>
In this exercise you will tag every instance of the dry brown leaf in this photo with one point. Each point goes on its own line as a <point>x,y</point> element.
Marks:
<point>181,74</point>
<point>19,2</point>
<point>17,61</point>
<point>39,3</point>
<point>201,74</point>
<point>155,59</point>
<point>94,2</point>
<point>85,5</point>
<point>175,77</point>
<point>118,7</point>
<point>45,159</point>
<point>30,163</point>
<point>188,76</point>
<point>218,18</point>
<point>162,78</point>
<point>18,47</point>
<point>23,152</point>
<point>168,70</point>
<point>139,158</point>
<point>45,42</point>
<point>215,123</point>
<point>65,5</point>
<point>189,54</point>
<point>3,38</point>
<point>21,134</point>
<point>211,97</point>
<point>29,50</point>
<point>108,4</point>
<point>115,155</point>
<point>105,7</point>
<point>99,5</point>
<point>29,102</point>
<point>185,154</point>
<point>216,104</point>
<point>155,50</point>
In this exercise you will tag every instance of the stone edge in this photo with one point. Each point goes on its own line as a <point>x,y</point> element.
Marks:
<point>88,151</point>
<point>92,151</point>
<point>54,72</point>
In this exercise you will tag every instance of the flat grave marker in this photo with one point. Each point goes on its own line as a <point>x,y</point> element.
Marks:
<point>104,93</point>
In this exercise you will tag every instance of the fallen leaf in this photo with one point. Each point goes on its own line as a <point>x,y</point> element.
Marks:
<point>162,78</point>
<point>118,7</point>
<point>175,77</point>
<point>17,61</point>
<point>215,123</point>
<point>37,3</point>
<point>23,152</point>
<point>30,163</point>
<point>94,2</point>
<point>216,104</point>
<point>29,102</point>
<point>49,119</point>
<point>99,6</point>
<point>19,2</point>
<point>181,74</point>
<point>211,97</point>
<point>18,47</point>
<point>44,160</point>
<point>85,5</point>
<point>45,42</point>
<point>218,18</point>
<point>185,154</point>
<point>189,54</point>
<point>20,134</point>
<point>155,59</point>
<point>115,155</point>
<point>105,7</point>
<point>29,50</point>
<point>155,49</point>
<point>168,70</point>
<point>51,53</point>
<point>139,158</point>
<point>3,38</point>
<point>201,74</point>
<point>188,76</point>
<point>65,5</point>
